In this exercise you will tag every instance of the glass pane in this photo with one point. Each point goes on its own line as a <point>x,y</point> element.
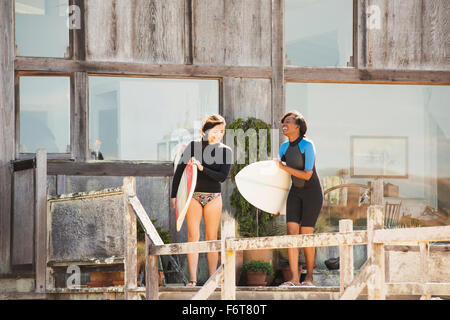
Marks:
<point>45,114</point>
<point>400,133</point>
<point>319,32</point>
<point>147,119</point>
<point>41,28</point>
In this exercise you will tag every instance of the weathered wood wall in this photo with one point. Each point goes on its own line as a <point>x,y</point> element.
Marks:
<point>240,41</point>
<point>413,34</point>
<point>6,128</point>
<point>147,31</point>
<point>233,33</point>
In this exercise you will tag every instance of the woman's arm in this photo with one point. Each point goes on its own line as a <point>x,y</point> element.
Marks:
<point>225,167</point>
<point>187,154</point>
<point>301,174</point>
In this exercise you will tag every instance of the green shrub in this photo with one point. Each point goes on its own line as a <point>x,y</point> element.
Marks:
<point>244,212</point>
<point>164,234</point>
<point>258,265</point>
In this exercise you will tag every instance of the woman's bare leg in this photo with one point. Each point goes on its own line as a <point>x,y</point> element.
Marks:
<point>193,219</point>
<point>309,255</point>
<point>293,229</point>
<point>212,212</point>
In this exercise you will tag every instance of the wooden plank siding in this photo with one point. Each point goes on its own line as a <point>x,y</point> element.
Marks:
<point>145,31</point>
<point>236,33</point>
<point>7,130</point>
<point>23,218</point>
<point>413,34</point>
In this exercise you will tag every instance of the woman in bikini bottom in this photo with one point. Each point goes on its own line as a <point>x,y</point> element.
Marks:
<point>204,198</point>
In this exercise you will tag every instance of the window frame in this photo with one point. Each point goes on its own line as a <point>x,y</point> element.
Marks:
<point>354,59</point>
<point>54,156</point>
<point>137,76</point>
<point>72,36</point>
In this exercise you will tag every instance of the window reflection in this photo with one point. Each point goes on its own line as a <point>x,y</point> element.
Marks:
<point>41,28</point>
<point>147,119</point>
<point>45,114</point>
<point>319,32</point>
<point>407,126</point>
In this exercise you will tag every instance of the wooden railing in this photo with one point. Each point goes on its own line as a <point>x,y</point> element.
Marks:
<point>371,274</point>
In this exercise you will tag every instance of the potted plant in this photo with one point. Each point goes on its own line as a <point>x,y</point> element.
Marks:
<point>257,271</point>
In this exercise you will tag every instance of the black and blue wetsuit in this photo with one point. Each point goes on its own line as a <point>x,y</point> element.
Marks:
<point>305,198</point>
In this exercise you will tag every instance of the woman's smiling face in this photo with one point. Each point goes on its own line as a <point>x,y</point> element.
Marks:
<point>289,126</point>
<point>216,134</point>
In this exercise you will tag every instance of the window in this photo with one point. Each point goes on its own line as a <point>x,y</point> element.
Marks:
<point>41,28</point>
<point>319,33</point>
<point>44,114</point>
<point>147,118</point>
<point>400,133</point>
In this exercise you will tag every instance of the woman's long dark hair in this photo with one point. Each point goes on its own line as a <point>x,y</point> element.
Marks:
<point>210,122</point>
<point>299,120</point>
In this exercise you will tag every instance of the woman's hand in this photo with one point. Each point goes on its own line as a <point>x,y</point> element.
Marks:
<point>173,201</point>
<point>275,214</point>
<point>279,162</point>
<point>197,163</point>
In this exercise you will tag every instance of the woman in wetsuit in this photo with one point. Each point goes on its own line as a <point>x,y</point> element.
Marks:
<point>305,198</point>
<point>213,160</point>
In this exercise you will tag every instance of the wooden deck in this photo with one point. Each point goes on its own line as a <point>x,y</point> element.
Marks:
<point>395,291</point>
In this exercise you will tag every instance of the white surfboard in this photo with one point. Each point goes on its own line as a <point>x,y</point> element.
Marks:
<point>185,189</point>
<point>264,185</point>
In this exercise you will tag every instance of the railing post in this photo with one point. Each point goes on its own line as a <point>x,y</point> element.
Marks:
<point>130,240</point>
<point>376,286</point>
<point>40,198</point>
<point>229,261</point>
<point>151,272</point>
<point>345,257</point>
<point>424,264</point>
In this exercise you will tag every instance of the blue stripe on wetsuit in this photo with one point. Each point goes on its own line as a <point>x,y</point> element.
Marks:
<point>307,148</point>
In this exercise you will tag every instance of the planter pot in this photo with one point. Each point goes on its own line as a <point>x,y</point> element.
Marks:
<point>266,255</point>
<point>256,278</point>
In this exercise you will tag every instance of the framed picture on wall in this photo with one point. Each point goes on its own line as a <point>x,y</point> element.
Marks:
<point>379,157</point>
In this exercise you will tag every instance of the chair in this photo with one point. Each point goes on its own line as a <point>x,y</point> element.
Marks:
<point>392,214</point>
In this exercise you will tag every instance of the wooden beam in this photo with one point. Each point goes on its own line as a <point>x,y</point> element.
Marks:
<point>412,235</point>
<point>345,257</point>
<point>228,260</point>
<point>79,35</point>
<point>130,239</point>
<point>375,253</point>
<point>410,288</point>
<point>298,241</point>
<point>359,282</point>
<point>210,285</point>
<point>350,75</point>
<point>424,267</point>
<point>151,272</point>
<point>278,83</point>
<point>139,69</point>
<point>40,252</point>
<point>145,221</point>
<point>79,116</point>
<point>7,129</point>
<point>111,168</point>
<point>187,247</point>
